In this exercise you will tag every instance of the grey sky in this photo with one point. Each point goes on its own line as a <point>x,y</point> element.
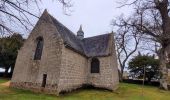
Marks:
<point>94,15</point>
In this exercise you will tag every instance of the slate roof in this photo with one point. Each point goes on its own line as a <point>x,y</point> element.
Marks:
<point>97,45</point>
<point>68,36</point>
<point>90,47</point>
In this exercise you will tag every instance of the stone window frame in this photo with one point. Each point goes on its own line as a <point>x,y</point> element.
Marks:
<point>39,48</point>
<point>95,69</point>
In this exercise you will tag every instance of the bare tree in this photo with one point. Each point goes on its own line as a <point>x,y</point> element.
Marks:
<point>17,12</point>
<point>127,42</point>
<point>151,18</point>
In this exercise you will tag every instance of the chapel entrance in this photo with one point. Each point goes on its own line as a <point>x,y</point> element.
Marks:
<point>44,80</point>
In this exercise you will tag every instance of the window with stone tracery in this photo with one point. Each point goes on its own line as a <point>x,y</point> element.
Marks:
<point>39,49</point>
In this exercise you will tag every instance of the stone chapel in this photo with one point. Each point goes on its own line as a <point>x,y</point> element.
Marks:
<point>53,59</point>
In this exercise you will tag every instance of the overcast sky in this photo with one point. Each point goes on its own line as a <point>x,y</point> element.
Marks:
<point>94,15</point>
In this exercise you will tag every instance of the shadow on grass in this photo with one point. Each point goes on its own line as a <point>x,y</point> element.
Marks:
<point>85,87</point>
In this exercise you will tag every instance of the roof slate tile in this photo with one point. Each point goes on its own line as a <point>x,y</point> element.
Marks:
<point>91,47</point>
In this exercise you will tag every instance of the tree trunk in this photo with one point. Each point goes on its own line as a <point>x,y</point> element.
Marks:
<point>163,70</point>
<point>119,72</point>
<point>121,75</point>
<point>6,71</point>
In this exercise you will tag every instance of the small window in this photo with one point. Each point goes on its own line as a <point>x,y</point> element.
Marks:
<point>44,80</point>
<point>95,64</point>
<point>39,49</point>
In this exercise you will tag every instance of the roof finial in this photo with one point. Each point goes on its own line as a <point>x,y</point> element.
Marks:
<point>80,33</point>
<point>45,11</point>
<point>81,29</point>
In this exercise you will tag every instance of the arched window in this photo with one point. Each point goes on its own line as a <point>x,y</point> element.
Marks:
<point>39,49</point>
<point>95,65</point>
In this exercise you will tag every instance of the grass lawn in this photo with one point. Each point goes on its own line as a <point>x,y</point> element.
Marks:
<point>125,92</point>
<point>3,80</point>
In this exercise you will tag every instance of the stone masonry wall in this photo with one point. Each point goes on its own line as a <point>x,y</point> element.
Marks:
<point>73,70</point>
<point>30,71</point>
<point>107,78</point>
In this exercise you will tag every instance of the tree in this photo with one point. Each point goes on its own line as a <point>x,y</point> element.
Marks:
<point>9,50</point>
<point>139,63</point>
<point>151,19</point>
<point>17,12</point>
<point>125,38</point>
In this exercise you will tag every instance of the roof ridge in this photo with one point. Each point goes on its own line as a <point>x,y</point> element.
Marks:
<point>68,36</point>
<point>63,25</point>
<point>98,35</point>
<point>90,46</point>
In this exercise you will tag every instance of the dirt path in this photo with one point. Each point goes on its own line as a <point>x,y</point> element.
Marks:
<point>6,83</point>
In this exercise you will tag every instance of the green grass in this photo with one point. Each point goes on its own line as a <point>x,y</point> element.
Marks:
<point>125,92</point>
<point>3,80</point>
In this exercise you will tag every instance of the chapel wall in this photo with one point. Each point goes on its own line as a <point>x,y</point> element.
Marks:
<point>28,73</point>
<point>73,70</point>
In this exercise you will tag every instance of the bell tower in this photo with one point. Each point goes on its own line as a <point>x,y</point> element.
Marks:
<point>80,33</point>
